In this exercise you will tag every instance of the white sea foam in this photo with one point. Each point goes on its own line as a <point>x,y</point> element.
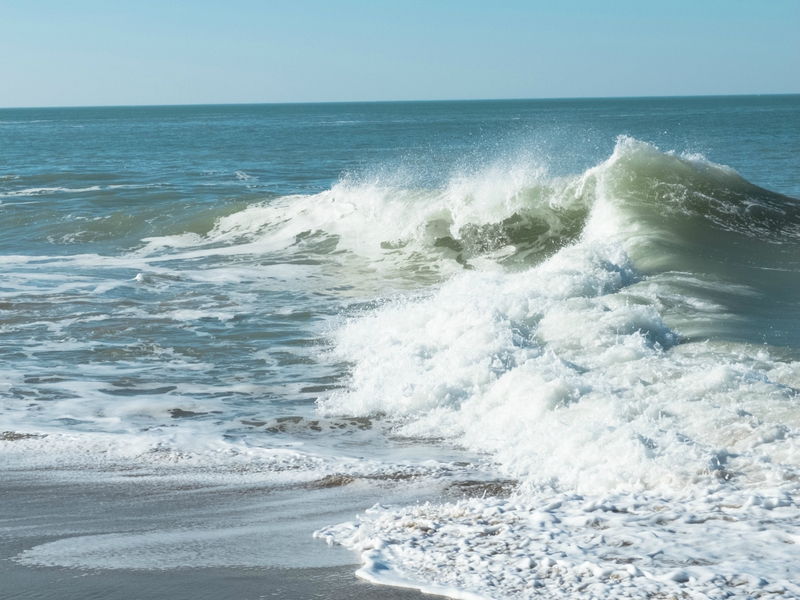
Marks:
<point>707,543</point>
<point>570,375</point>
<point>566,376</point>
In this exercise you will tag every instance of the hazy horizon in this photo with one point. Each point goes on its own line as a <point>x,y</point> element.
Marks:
<point>412,101</point>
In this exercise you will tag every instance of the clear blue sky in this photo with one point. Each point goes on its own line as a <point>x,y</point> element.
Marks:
<point>92,52</point>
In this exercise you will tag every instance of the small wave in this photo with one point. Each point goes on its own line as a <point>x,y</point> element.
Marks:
<point>44,191</point>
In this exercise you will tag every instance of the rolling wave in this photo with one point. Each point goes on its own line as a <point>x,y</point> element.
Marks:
<point>664,206</point>
<point>639,379</point>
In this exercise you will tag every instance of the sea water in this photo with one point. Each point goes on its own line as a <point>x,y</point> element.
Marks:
<point>558,341</point>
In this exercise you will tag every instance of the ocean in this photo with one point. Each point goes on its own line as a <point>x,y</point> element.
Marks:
<point>485,349</point>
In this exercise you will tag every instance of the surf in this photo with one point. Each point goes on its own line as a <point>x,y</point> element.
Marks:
<point>634,367</point>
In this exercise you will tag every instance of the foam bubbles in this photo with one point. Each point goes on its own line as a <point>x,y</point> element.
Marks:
<point>715,544</point>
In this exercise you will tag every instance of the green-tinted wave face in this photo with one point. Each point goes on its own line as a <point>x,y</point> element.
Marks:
<point>689,195</point>
<point>529,235</point>
<point>699,230</point>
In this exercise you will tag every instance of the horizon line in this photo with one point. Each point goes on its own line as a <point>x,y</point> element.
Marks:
<point>452,100</point>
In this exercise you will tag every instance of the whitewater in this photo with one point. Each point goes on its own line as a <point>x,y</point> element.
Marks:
<point>567,368</point>
<point>650,459</point>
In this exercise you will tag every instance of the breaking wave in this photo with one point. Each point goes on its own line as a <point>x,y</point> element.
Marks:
<point>624,334</point>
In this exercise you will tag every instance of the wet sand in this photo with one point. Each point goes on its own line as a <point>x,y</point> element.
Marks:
<point>193,584</point>
<point>65,519</point>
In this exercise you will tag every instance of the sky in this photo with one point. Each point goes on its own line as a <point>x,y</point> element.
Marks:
<point>92,52</point>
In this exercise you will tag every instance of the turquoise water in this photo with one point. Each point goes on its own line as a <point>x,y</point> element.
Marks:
<point>582,296</point>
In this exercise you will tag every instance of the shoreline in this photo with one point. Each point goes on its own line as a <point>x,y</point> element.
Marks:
<point>50,520</point>
<point>20,581</point>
